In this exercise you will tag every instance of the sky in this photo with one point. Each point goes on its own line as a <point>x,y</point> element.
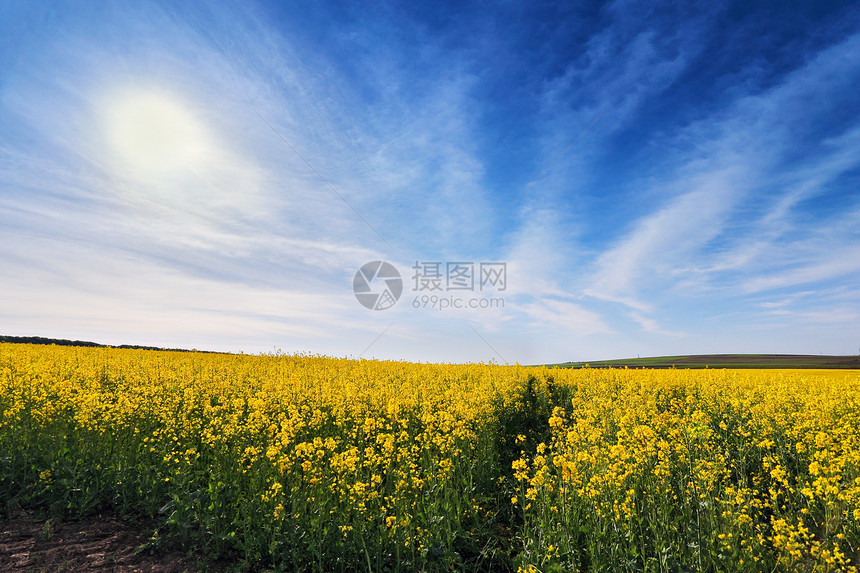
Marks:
<point>550,182</point>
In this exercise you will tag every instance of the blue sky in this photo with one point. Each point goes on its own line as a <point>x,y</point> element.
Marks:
<point>658,179</point>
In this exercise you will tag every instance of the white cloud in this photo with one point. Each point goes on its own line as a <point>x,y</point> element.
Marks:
<point>565,317</point>
<point>652,252</point>
<point>704,238</point>
<point>222,232</point>
<point>836,264</point>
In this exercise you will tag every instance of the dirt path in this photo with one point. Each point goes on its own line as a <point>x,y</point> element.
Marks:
<point>98,543</point>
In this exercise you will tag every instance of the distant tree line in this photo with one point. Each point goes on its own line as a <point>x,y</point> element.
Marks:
<point>64,342</point>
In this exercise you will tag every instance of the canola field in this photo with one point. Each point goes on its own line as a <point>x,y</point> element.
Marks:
<point>306,463</point>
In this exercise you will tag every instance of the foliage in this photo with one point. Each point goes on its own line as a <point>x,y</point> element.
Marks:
<point>306,463</point>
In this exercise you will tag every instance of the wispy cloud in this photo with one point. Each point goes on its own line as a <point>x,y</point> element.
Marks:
<point>660,177</point>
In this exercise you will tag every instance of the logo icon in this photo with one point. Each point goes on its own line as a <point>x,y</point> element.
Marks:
<point>377,285</point>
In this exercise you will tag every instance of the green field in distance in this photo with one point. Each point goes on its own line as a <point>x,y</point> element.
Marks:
<point>725,361</point>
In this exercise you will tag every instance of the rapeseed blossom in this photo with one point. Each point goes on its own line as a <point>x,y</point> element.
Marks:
<point>315,463</point>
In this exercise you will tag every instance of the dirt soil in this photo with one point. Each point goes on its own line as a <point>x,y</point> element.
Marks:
<point>102,542</point>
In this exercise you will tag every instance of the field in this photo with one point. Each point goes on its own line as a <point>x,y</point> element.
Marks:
<point>789,361</point>
<point>306,463</point>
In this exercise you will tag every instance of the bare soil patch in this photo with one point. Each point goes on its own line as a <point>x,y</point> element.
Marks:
<point>103,542</point>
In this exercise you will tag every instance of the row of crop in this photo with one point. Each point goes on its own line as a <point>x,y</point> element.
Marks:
<point>319,464</point>
<point>697,471</point>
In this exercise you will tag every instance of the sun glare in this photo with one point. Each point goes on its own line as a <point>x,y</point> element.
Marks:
<point>154,134</point>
